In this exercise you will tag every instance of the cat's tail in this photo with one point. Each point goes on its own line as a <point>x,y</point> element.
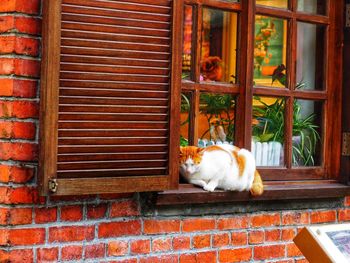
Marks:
<point>257,186</point>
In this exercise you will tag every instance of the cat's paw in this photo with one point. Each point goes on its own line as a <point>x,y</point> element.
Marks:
<point>209,188</point>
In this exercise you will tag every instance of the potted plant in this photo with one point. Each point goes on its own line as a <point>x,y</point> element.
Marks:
<point>269,127</point>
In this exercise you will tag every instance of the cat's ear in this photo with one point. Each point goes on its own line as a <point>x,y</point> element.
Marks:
<point>200,150</point>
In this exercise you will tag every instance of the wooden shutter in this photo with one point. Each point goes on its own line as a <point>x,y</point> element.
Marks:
<point>110,95</point>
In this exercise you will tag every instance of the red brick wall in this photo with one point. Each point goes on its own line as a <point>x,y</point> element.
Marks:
<point>107,228</point>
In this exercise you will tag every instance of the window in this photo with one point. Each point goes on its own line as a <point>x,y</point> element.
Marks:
<point>122,81</point>
<point>266,87</point>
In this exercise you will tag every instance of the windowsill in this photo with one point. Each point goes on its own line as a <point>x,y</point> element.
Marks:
<point>189,194</point>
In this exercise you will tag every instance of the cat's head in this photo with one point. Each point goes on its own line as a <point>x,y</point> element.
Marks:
<point>190,158</point>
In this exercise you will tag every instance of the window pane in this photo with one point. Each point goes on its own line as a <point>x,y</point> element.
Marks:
<point>307,148</point>
<point>310,56</point>
<point>270,51</point>
<point>185,118</point>
<point>187,44</point>
<point>273,3</point>
<point>268,131</point>
<point>218,46</point>
<point>216,119</point>
<point>312,6</point>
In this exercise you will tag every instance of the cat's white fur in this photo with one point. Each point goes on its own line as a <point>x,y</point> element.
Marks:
<point>219,169</point>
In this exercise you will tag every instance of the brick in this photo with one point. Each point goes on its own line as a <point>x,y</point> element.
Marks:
<point>161,244</point>
<point>160,259</point>
<point>344,215</point>
<point>116,229</point>
<point>199,257</point>
<point>269,252</point>
<point>129,260</point>
<point>5,173</point>
<point>71,233</point>
<point>239,238</point>
<point>19,45</point>
<point>17,256</point>
<point>265,220</point>
<point>4,236</point>
<point>29,25</point>
<point>115,196</point>
<point>256,237</point>
<point>96,211</point>
<point>235,255</point>
<point>71,213</point>
<point>124,208</point>
<point>20,67</point>
<point>94,251</point>
<point>18,151</point>
<point>301,261</point>
<point>17,130</point>
<point>181,243</point>
<point>347,201</point>
<point>7,23</point>
<point>71,253</point>
<point>201,241</point>
<point>4,215</point>
<point>142,246</point>
<point>20,216</point>
<point>47,255</point>
<point>323,216</point>
<point>117,248</point>
<point>198,224</point>
<point>19,109</point>
<point>221,240</point>
<point>161,226</point>
<point>18,88</point>
<point>45,215</point>
<point>272,235</point>
<point>22,6</point>
<point>21,174</point>
<point>295,218</point>
<point>4,194</point>
<point>288,234</point>
<point>30,236</point>
<point>293,250</point>
<point>237,222</point>
<point>25,109</point>
<point>23,195</point>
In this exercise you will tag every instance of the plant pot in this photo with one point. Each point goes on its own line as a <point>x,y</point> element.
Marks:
<point>268,153</point>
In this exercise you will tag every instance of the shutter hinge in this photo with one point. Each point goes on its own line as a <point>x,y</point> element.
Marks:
<point>53,185</point>
<point>346,144</point>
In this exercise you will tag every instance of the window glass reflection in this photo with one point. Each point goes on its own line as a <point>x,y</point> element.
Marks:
<point>218,46</point>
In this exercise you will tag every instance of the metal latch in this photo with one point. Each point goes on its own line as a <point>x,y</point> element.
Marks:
<point>346,144</point>
<point>53,185</point>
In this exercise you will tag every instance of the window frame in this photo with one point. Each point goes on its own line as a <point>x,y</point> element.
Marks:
<point>245,89</point>
<point>183,194</point>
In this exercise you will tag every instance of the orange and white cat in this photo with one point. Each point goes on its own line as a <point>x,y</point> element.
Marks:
<point>220,166</point>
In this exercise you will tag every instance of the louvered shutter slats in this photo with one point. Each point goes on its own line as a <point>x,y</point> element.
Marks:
<point>114,88</point>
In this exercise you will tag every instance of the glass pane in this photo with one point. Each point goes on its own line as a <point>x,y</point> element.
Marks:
<point>310,56</point>
<point>307,148</point>
<point>313,6</point>
<point>216,119</point>
<point>185,118</point>
<point>268,131</point>
<point>270,44</point>
<point>273,3</point>
<point>218,47</point>
<point>187,43</point>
